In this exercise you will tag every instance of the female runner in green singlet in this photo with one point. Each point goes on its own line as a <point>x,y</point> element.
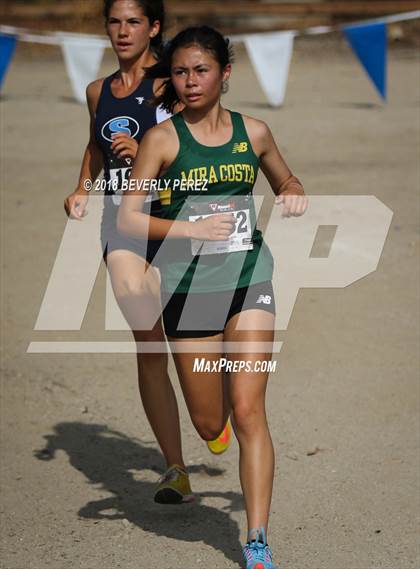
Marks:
<point>216,270</point>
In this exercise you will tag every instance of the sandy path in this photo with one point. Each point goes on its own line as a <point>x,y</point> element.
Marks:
<point>347,373</point>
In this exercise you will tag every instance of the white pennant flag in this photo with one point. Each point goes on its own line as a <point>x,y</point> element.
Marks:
<point>270,54</point>
<point>82,58</point>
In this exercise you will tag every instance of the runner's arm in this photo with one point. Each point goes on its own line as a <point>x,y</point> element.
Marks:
<point>156,152</point>
<point>92,162</point>
<point>272,162</point>
<point>286,187</point>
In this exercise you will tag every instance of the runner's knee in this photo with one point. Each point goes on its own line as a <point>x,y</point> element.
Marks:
<point>128,289</point>
<point>207,428</point>
<point>247,415</point>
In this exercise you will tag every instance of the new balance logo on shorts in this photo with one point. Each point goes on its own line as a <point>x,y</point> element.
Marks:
<point>240,147</point>
<point>264,298</point>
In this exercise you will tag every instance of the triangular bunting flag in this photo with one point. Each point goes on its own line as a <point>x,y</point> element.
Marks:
<point>270,54</point>
<point>82,58</point>
<point>7,48</point>
<point>369,42</point>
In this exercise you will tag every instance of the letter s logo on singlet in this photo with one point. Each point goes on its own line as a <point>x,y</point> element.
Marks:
<point>126,125</point>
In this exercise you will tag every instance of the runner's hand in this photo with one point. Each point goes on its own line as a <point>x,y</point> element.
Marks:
<point>124,146</point>
<point>213,228</point>
<point>293,203</point>
<point>75,205</point>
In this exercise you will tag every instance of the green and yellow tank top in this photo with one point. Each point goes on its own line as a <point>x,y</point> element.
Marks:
<point>204,180</point>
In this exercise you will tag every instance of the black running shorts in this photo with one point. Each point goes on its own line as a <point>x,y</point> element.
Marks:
<point>112,240</point>
<point>197,315</point>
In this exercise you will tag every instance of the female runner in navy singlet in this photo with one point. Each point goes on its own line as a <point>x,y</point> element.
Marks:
<point>119,117</point>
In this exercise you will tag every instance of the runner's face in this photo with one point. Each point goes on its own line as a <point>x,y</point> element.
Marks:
<point>129,29</point>
<point>197,77</point>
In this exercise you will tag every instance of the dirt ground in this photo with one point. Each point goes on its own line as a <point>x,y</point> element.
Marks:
<point>78,459</point>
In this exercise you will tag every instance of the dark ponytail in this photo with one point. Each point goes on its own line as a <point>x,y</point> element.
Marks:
<point>153,10</point>
<point>205,37</point>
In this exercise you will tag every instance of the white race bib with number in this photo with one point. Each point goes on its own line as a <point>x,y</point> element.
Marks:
<point>116,181</point>
<point>239,240</point>
<point>116,178</point>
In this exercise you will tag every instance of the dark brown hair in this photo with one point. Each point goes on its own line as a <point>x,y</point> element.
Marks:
<point>153,10</point>
<point>203,36</point>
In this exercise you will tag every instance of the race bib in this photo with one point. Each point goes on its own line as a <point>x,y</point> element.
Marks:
<point>116,178</point>
<point>239,240</point>
<point>118,181</point>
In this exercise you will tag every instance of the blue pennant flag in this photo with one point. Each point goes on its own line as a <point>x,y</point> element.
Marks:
<point>7,48</point>
<point>369,43</point>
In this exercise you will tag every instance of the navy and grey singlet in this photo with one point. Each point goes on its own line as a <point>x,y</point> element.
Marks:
<point>132,115</point>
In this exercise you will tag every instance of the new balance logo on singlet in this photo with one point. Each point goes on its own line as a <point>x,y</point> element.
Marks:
<point>240,147</point>
<point>264,298</point>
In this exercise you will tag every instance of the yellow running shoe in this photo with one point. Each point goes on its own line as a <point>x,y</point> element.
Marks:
<point>174,487</point>
<point>221,444</point>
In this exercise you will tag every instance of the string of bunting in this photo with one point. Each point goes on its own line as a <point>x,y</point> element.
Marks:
<point>270,52</point>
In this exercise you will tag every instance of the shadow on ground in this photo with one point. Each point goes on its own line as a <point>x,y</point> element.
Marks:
<point>361,105</point>
<point>115,463</point>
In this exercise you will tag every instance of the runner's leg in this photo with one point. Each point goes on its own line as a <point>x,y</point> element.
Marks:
<point>247,394</point>
<point>205,393</point>
<point>138,295</point>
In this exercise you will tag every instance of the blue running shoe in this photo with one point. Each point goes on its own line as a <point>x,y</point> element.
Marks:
<point>257,553</point>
